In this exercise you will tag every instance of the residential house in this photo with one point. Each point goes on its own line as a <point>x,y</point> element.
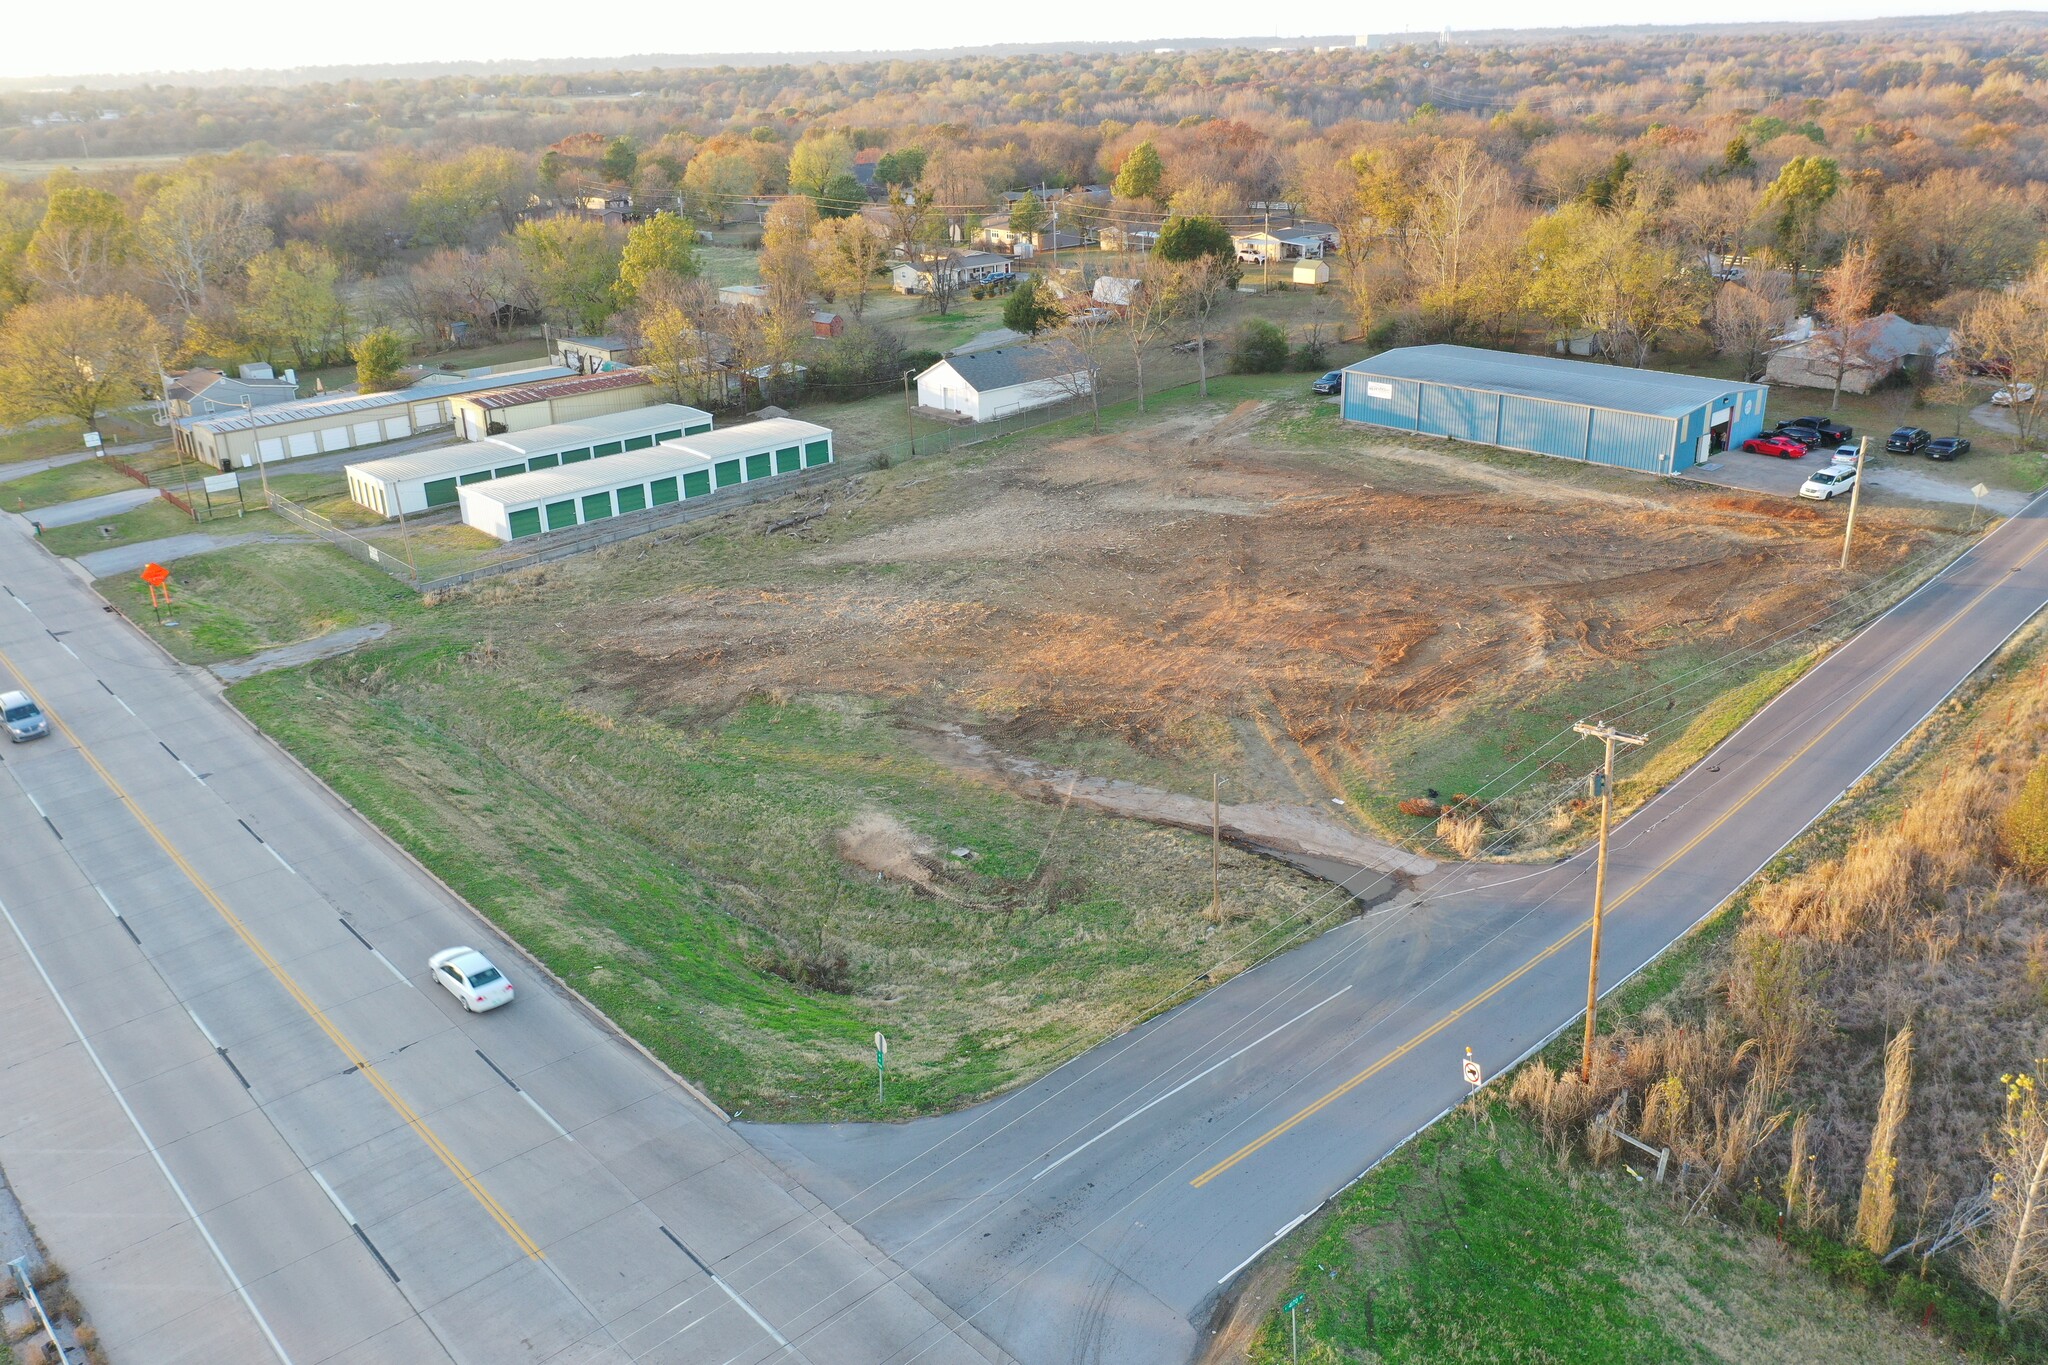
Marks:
<point>826,324</point>
<point>962,269</point>
<point>1117,292</point>
<point>755,296</point>
<point>1878,349</point>
<point>593,355</point>
<point>1302,241</point>
<point>1135,236</point>
<point>984,386</point>
<point>201,392</point>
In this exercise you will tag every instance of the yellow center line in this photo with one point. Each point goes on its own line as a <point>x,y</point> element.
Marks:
<point>327,1026</point>
<point>1310,1110</point>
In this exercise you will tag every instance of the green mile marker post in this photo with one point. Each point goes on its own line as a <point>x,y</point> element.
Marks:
<point>881,1063</point>
<point>1294,1325</point>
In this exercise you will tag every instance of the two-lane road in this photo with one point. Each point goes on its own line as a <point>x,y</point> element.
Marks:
<point>1099,1214</point>
<point>254,1130</point>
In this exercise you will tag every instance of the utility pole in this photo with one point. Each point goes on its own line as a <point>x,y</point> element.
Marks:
<point>262,469</point>
<point>909,417</point>
<point>1855,493</point>
<point>1266,254</point>
<point>1215,852</point>
<point>1609,736</point>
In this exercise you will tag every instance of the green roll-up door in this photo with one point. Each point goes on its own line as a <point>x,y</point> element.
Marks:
<point>506,471</point>
<point>728,473</point>
<point>639,442</point>
<point>597,506</point>
<point>697,431</point>
<point>574,456</point>
<point>667,435</point>
<point>525,522</point>
<point>561,514</point>
<point>543,462</point>
<point>696,483</point>
<point>481,476</point>
<point>662,492</point>
<point>759,466</point>
<point>633,497</point>
<point>789,461</point>
<point>818,452</point>
<point>441,492</point>
<point>608,448</point>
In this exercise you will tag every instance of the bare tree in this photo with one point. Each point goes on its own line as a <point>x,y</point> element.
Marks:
<point>195,234</point>
<point>942,269</point>
<point>1203,282</point>
<point>1158,301</point>
<point>1072,364</point>
<point>2007,332</point>
<point>2012,1259</point>
<point>1748,314</point>
<point>1848,291</point>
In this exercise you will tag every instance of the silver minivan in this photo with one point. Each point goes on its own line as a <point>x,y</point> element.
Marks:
<point>23,718</point>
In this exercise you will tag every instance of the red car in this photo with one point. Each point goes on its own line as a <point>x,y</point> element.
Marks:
<point>1784,447</point>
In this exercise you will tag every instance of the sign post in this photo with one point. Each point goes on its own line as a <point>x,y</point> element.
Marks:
<point>881,1063</point>
<point>92,441</point>
<point>159,580</point>
<point>1292,1306</point>
<point>1473,1076</point>
<point>1977,492</point>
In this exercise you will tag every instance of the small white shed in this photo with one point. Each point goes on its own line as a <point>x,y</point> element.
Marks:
<point>986,385</point>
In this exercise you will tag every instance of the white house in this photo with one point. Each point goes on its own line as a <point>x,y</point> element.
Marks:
<point>964,268</point>
<point>1303,241</point>
<point>986,385</point>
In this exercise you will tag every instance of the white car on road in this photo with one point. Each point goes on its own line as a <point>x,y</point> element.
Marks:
<point>469,976</point>
<point>1831,482</point>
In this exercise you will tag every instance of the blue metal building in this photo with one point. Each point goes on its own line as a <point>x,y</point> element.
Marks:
<point>1650,420</point>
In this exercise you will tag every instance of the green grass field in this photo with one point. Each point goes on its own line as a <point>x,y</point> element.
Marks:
<point>240,601</point>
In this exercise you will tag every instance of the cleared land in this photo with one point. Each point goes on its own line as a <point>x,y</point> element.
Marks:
<point>704,774</point>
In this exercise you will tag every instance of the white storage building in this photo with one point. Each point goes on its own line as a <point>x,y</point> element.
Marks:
<point>312,426</point>
<point>556,499</point>
<point>427,479</point>
<point>986,385</point>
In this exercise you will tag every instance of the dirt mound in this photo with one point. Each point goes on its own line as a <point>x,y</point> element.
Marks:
<point>880,843</point>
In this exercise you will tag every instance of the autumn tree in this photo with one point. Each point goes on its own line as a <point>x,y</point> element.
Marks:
<point>83,239</point>
<point>1606,270</point>
<point>1142,174</point>
<point>621,158</point>
<point>787,265</point>
<point>715,178</point>
<point>1461,191</point>
<point>676,344</point>
<point>197,233</point>
<point>901,168</point>
<point>294,304</point>
<point>664,244</point>
<point>2008,329</point>
<point>1748,315</point>
<point>378,355</point>
<point>573,263</point>
<point>816,160</point>
<point>78,356</point>
<point>845,254</point>
<point>1793,203</point>
<point>1205,260</point>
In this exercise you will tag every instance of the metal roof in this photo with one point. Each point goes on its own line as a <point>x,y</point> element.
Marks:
<point>561,388</point>
<point>1003,367</point>
<point>426,391</point>
<point>751,438</point>
<point>587,476</point>
<point>1620,388</point>
<point>465,456</point>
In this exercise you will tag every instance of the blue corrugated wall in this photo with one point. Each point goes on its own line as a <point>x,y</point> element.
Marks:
<point>1467,414</point>
<point>1632,440</point>
<point>1396,410</point>
<point>1546,428</point>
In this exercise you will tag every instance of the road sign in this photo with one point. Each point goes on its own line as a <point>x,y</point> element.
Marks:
<point>156,575</point>
<point>1293,1303</point>
<point>1978,490</point>
<point>881,1050</point>
<point>1472,1073</point>
<point>222,483</point>
<point>92,440</point>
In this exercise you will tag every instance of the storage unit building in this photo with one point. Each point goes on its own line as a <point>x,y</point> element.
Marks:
<point>556,499</point>
<point>479,416</point>
<point>427,479</point>
<point>1650,420</point>
<point>313,426</point>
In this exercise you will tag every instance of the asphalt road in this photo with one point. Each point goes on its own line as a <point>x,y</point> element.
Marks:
<point>1100,1215</point>
<point>253,1130</point>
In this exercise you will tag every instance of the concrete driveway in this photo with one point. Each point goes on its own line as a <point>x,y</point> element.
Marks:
<point>91,509</point>
<point>1900,478</point>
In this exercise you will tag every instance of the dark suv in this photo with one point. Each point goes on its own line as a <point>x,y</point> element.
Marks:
<point>1907,440</point>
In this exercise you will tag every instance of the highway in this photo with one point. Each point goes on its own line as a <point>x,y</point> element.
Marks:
<point>252,1129</point>
<point>1099,1216</point>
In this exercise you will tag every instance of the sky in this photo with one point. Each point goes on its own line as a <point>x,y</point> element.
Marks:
<point>142,35</point>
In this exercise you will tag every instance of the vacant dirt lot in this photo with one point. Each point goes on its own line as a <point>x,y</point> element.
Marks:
<point>1227,568</point>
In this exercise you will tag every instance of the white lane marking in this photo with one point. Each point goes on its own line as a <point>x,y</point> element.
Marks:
<point>334,1198</point>
<point>189,773</point>
<point>67,649</point>
<point>218,1255</point>
<point>124,705</point>
<point>104,901</point>
<point>1297,1222</point>
<point>387,962</point>
<point>204,1031</point>
<point>1186,1083</point>
<point>761,1322</point>
<point>280,858</point>
<point>32,800</point>
<point>544,1114</point>
<point>24,606</point>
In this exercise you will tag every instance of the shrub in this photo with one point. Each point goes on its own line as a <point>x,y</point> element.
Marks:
<point>1383,333</point>
<point>1463,835</point>
<point>1258,347</point>
<point>1421,807</point>
<point>2026,823</point>
<point>1312,355</point>
<point>378,355</point>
